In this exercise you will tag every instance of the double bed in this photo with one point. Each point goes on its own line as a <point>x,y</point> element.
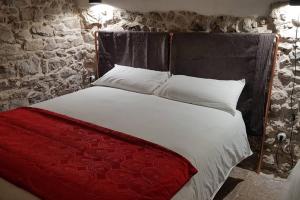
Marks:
<point>212,140</point>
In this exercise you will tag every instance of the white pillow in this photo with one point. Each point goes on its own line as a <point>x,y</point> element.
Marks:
<point>133,79</point>
<point>219,94</point>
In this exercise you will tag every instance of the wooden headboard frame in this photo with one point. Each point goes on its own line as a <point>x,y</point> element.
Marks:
<point>268,100</point>
<point>96,35</point>
<point>267,109</point>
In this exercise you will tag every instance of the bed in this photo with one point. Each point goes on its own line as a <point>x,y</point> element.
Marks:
<point>213,141</point>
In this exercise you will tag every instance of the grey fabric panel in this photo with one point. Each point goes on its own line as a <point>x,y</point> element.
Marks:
<point>229,57</point>
<point>216,56</point>
<point>137,49</point>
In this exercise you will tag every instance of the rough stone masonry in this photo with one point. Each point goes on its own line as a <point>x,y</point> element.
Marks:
<point>42,51</point>
<point>45,51</point>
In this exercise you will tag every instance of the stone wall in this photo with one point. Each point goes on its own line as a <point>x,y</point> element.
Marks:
<point>278,22</point>
<point>42,51</point>
<point>282,17</point>
<point>45,51</point>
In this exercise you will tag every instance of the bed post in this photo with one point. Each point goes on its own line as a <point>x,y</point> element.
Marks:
<point>170,52</point>
<point>266,118</point>
<point>96,35</point>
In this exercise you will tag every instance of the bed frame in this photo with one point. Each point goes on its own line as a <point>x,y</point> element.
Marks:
<point>174,52</point>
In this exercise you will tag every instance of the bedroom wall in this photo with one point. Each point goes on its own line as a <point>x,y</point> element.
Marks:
<point>42,51</point>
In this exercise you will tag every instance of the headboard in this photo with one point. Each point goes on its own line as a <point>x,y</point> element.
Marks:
<point>229,57</point>
<point>207,55</point>
<point>146,50</point>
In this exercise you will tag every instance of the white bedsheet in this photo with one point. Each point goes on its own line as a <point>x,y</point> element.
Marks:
<point>212,140</point>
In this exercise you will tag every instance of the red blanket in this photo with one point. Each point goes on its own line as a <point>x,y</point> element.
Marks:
<point>56,157</point>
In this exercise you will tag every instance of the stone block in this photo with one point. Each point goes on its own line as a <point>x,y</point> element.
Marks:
<point>21,3</point>
<point>284,60</point>
<point>269,159</point>
<point>42,30</point>
<point>63,33</point>
<point>279,97</point>
<point>29,67</point>
<point>286,47</point>
<point>27,14</point>
<point>181,21</point>
<point>9,49</point>
<point>50,45</point>
<point>6,35</point>
<point>61,53</point>
<point>75,41</point>
<point>67,72</point>
<point>23,35</point>
<point>59,27</point>
<point>15,103</point>
<point>73,23</point>
<point>44,66</point>
<point>20,26</point>
<point>7,72</point>
<point>88,38</point>
<point>288,33</point>
<point>34,45</point>
<point>48,54</point>
<point>56,64</point>
<point>285,76</point>
<point>199,23</point>
<point>4,106</point>
<point>52,11</point>
<point>249,25</point>
<point>35,97</point>
<point>294,56</point>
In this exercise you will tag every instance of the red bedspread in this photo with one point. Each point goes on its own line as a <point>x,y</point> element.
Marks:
<point>56,157</point>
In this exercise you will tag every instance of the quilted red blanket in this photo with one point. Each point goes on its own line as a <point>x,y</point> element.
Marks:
<point>56,157</point>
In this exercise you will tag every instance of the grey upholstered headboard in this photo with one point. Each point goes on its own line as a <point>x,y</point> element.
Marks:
<point>217,56</point>
<point>139,49</point>
<point>229,57</point>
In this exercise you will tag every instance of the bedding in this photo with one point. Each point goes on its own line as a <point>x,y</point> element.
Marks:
<point>219,94</point>
<point>40,150</point>
<point>212,140</point>
<point>133,79</point>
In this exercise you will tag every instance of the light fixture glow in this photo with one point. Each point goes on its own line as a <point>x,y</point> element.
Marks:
<point>100,13</point>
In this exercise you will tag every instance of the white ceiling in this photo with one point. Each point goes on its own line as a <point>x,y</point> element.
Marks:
<point>206,7</point>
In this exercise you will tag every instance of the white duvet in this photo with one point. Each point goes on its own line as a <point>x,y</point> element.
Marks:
<point>212,140</point>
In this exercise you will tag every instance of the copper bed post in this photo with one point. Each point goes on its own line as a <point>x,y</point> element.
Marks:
<point>96,35</point>
<point>267,109</point>
<point>170,52</point>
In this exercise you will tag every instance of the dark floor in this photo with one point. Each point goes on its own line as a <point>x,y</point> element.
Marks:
<point>245,184</point>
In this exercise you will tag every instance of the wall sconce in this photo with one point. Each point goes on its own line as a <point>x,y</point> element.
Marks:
<point>95,1</point>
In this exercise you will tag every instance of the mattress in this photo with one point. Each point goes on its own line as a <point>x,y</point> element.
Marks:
<point>214,141</point>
